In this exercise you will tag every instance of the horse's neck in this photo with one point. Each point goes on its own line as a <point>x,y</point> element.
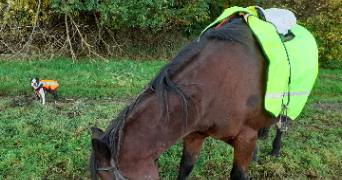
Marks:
<point>149,131</point>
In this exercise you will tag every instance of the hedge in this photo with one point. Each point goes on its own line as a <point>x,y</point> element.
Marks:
<point>321,17</point>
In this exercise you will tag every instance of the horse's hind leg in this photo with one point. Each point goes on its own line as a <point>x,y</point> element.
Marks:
<point>262,134</point>
<point>192,145</point>
<point>244,145</point>
<point>276,144</point>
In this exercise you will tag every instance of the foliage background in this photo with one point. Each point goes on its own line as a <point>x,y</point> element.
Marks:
<point>143,29</point>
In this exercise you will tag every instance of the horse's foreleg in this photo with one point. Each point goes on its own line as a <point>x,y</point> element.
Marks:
<point>192,145</point>
<point>255,154</point>
<point>276,143</point>
<point>244,145</point>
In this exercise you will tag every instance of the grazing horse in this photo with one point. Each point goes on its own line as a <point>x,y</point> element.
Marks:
<point>214,87</point>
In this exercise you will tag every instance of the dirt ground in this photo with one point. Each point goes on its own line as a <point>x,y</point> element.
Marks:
<point>27,100</point>
<point>327,106</point>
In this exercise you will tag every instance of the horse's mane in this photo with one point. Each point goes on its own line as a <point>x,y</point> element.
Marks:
<point>232,30</point>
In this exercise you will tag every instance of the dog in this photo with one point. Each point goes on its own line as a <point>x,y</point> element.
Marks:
<point>43,86</point>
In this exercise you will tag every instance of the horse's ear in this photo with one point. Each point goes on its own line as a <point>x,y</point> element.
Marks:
<point>96,132</point>
<point>101,150</point>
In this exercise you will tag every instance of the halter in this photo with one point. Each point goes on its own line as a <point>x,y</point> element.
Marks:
<point>114,169</point>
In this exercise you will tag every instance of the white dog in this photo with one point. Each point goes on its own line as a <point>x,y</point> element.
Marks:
<point>43,86</point>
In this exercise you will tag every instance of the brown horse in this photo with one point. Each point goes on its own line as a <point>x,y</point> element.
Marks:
<point>214,87</point>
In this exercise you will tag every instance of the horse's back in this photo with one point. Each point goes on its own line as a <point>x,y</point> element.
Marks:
<point>228,83</point>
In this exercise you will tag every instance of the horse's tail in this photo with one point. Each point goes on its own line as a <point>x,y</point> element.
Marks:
<point>263,133</point>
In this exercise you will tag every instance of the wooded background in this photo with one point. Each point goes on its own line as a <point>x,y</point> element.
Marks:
<point>141,30</point>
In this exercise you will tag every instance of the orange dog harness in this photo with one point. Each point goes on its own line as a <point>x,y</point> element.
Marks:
<point>47,85</point>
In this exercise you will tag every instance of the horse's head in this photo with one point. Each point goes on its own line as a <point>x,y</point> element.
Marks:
<point>34,82</point>
<point>103,164</point>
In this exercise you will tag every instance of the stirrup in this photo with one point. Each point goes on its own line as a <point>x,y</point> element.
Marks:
<point>282,126</point>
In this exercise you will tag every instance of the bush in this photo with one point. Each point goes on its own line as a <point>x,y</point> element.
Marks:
<point>326,28</point>
<point>145,18</point>
<point>142,14</point>
<point>23,13</point>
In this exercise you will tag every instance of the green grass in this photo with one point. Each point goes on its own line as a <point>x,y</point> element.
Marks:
<point>311,148</point>
<point>117,79</point>
<point>38,142</point>
<point>84,79</point>
<point>53,142</point>
<point>328,87</point>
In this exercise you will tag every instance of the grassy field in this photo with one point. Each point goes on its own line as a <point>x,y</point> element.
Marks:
<point>84,79</point>
<point>52,142</point>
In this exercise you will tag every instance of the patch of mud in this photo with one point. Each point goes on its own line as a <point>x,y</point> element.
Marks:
<point>21,101</point>
<point>66,100</point>
<point>28,100</point>
<point>327,106</point>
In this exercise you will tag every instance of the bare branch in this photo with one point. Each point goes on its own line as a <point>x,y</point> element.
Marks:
<point>117,44</point>
<point>31,36</point>
<point>2,27</point>
<point>68,39</point>
<point>84,42</point>
<point>101,39</point>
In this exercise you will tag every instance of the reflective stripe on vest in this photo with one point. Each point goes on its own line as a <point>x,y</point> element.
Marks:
<point>280,95</point>
<point>50,83</point>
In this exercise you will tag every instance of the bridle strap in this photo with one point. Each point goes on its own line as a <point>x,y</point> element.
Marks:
<point>105,169</point>
<point>114,169</point>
